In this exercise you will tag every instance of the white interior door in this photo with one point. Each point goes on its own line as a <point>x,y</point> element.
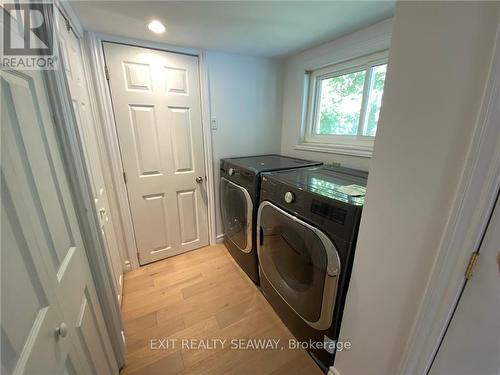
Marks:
<point>73,60</point>
<point>46,280</point>
<point>157,107</point>
<point>471,344</point>
<point>52,321</point>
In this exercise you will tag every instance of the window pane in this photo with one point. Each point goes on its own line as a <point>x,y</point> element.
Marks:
<point>375,99</point>
<point>340,104</point>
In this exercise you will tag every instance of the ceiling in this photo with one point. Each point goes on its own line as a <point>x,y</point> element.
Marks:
<point>271,29</point>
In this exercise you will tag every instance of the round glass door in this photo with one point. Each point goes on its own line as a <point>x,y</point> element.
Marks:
<point>300,262</point>
<point>236,212</point>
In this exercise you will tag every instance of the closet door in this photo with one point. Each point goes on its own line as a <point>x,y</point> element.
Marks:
<point>52,321</point>
<point>73,65</point>
<point>50,309</point>
<point>29,308</point>
<point>157,108</point>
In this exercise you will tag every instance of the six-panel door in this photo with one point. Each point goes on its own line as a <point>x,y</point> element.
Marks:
<point>72,60</point>
<point>52,322</point>
<point>157,107</point>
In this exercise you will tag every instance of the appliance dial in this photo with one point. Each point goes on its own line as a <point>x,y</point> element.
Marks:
<point>231,171</point>
<point>289,197</point>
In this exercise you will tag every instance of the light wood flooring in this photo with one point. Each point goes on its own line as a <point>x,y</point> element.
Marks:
<point>202,295</point>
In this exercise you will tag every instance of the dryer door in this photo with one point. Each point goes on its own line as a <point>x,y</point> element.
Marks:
<point>236,209</point>
<point>300,262</point>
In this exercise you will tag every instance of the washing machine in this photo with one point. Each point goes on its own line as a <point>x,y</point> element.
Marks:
<point>239,197</point>
<point>308,222</point>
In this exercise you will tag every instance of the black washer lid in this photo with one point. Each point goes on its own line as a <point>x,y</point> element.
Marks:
<point>328,181</point>
<point>267,163</point>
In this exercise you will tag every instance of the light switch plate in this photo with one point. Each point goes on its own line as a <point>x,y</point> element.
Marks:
<point>213,123</point>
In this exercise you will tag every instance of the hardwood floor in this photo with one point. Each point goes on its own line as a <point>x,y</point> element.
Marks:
<point>200,296</point>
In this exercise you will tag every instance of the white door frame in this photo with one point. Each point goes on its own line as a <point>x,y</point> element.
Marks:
<point>473,204</point>
<point>94,44</point>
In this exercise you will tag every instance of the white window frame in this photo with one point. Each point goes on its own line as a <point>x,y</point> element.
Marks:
<point>357,145</point>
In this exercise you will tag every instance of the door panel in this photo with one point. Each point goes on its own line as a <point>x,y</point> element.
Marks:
<point>186,201</point>
<point>146,147</point>
<point>157,107</point>
<point>159,236</point>
<point>471,343</point>
<point>176,82</point>
<point>73,59</point>
<point>81,117</point>
<point>44,242</point>
<point>25,110</point>
<point>90,336</point>
<point>182,141</point>
<point>28,313</point>
<point>137,76</point>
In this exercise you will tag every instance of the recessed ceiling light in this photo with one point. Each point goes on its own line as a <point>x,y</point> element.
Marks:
<point>156,27</point>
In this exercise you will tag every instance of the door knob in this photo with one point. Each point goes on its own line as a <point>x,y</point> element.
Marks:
<point>199,179</point>
<point>62,330</point>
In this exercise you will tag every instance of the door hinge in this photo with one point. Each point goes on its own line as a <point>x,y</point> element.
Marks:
<point>124,177</point>
<point>68,25</point>
<point>472,264</point>
<point>106,72</point>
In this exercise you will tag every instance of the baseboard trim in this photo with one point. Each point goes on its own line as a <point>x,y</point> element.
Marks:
<point>219,238</point>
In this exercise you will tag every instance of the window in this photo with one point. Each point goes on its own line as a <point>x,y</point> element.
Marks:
<point>344,105</point>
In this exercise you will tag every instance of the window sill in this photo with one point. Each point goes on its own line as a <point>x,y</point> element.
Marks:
<point>364,151</point>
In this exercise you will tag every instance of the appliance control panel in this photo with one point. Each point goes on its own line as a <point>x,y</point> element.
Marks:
<point>240,176</point>
<point>289,197</point>
<point>334,216</point>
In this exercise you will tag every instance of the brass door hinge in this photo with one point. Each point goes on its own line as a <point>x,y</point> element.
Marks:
<point>472,264</point>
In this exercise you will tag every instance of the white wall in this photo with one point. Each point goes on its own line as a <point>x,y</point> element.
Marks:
<point>246,98</point>
<point>372,39</point>
<point>438,65</point>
